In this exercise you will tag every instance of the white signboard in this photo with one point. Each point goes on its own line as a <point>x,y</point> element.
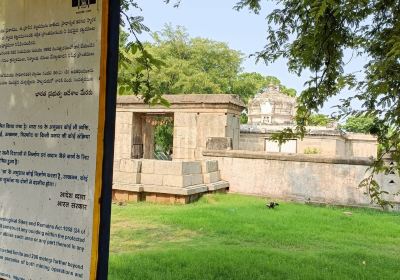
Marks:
<point>51,123</point>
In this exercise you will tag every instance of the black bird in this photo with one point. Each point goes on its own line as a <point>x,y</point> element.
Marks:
<point>272,205</point>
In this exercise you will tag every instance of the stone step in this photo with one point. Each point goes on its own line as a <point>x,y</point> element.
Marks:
<point>218,186</point>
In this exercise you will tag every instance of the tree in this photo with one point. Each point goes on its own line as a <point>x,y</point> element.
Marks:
<point>314,35</point>
<point>247,85</point>
<point>319,120</point>
<point>359,124</point>
<point>193,65</point>
<point>163,135</point>
<point>134,58</point>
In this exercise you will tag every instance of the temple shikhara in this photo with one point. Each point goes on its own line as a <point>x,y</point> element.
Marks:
<point>272,107</point>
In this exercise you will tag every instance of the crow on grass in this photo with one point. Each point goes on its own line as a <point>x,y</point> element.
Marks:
<point>272,205</point>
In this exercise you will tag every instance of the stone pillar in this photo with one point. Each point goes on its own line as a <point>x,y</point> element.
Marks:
<point>137,137</point>
<point>185,136</point>
<point>123,135</point>
<point>148,137</point>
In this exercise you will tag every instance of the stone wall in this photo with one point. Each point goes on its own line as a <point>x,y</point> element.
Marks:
<point>331,180</point>
<point>350,145</point>
<point>191,131</point>
<point>123,136</point>
<point>165,181</point>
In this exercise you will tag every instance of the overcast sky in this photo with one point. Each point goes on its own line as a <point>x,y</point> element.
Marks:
<point>243,31</point>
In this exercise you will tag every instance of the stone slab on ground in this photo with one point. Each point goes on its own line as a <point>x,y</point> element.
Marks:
<point>218,186</point>
<point>175,190</point>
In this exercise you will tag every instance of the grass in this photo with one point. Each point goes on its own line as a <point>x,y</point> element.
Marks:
<point>237,237</point>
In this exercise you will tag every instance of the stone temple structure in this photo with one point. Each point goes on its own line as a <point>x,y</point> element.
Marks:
<point>200,121</point>
<point>271,111</point>
<point>212,152</point>
<point>272,107</point>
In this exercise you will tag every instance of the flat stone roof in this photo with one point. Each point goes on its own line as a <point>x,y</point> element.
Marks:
<point>176,99</point>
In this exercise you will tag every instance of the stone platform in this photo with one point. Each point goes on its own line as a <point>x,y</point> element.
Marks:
<point>173,182</point>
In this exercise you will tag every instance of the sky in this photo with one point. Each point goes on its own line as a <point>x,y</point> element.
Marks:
<point>243,31</point>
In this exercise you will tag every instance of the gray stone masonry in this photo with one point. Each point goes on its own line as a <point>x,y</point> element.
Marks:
<point>168,177</point>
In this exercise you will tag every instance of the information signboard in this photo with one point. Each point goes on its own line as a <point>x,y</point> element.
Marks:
<point>53,98</point>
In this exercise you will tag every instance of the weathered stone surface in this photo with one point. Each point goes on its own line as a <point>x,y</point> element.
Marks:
<point>331,180</point>
<point>220,185</point>
<point>130,165</point>
<point>211,177</point>
<point>191,167</point>
<point>177,180</point>
<point>196,179</point>
<point>177,167</point>
<point>152,179</point>
<point>148,166</point>
<point>125,196</point>
<point>126,177</point>
<point>219,143</point>
<point>208,166</point>
<point>175,190</point>
<point>128,187</point>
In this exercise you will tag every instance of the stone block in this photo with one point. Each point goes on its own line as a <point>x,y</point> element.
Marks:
<point>211,177</point>
<point>208,166</point>
<point>221,185</point>
<point>150,197</point>
<point>182,180</point>
<point>148,166</point>
<point>130,165</point>
<point>181,199</point>
<point>152,189</point>
<point>191,167</point>
<point>126,177</point>
<point>116,164</point>
<point>127,187</point>
<point>183,153</point>
<point>151,179</point>
<point>134,197</point>
<point>188,142</point>
<point>124,117</point>
<point>125,196</point>
<point>196,179</point>
<point>125,128</point>
<point>177,167</point>
<point>219,143</point>
<point>185,119</point>
<point>168,167</point>
<point>177,180</point>
<point>120,195</point>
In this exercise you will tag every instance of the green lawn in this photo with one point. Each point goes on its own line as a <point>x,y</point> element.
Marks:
<point>237,237</point>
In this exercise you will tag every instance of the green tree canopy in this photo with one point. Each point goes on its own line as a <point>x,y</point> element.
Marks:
<point>188,65</point>
<point>359,124</point>
<point>192,65</point>
<point>319,120</point>
<point>247,85</point>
